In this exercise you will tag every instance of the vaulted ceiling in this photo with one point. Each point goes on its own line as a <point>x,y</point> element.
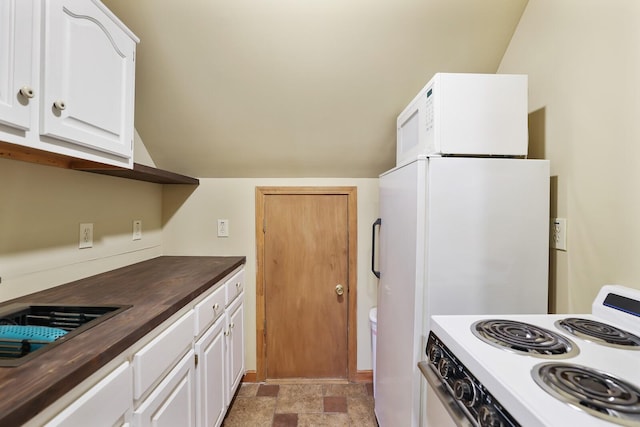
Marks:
<point>296,88</point>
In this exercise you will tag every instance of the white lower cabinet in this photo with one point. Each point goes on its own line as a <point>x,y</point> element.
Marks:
<point>210,381</point>
<point>220,355</point>
<point>235,346</point>
<point>184,373</point>
<point>109,403</point>
<point>173,402</point>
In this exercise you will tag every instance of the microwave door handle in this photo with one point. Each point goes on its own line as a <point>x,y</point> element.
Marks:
<point>378,222</point>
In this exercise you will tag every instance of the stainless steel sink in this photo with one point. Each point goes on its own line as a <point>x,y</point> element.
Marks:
<point>74,319</point>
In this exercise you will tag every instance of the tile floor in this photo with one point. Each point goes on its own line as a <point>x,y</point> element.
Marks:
<point>302,405</point>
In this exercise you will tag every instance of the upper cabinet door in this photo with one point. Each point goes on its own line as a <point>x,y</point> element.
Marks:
<point>18,63</point>
<point>88,77</point>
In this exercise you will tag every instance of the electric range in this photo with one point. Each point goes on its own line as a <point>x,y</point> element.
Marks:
<point>540,370</point>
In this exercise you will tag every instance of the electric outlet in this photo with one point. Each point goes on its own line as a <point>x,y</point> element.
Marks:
<point>86,236</point>
<point>558,231</point>
<point>137,229</point>
<point>223,228</point>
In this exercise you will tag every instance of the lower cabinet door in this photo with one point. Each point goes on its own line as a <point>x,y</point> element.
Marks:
<point>235,347</point>
<point>173,402</point>
<point>210,378</point>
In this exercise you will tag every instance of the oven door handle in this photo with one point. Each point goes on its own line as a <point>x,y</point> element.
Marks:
<point>449,402</point>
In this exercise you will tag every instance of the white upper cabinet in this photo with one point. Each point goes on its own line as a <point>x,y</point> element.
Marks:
<point>18,72</point>
<point>88,76</point>
<point>78,61</point>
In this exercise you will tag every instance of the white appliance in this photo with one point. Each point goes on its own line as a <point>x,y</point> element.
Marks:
<point>468,114</point>
<point>457,236</point>
<point>539,370</point>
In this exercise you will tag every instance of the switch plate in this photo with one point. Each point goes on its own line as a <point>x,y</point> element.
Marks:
<point>223,228</point>
<point>86,236</point>
<point>137,229</point>
<point>558,231</point>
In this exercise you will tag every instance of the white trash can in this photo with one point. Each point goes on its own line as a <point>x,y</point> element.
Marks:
<point>373,321</point>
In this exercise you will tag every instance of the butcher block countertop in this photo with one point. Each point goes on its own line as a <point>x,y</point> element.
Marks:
<point>156,289</point>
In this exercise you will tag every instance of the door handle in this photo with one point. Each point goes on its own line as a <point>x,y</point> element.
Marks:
<point>339,290</point>
<point>378,222</point>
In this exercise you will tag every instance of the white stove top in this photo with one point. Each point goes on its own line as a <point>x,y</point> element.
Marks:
<point>507,375</point>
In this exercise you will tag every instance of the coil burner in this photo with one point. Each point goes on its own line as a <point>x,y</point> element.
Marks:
<point>598,332</point>
<point>524,338</point>
<point>590,390</point>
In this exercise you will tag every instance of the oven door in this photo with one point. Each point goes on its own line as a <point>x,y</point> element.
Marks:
<point>442,409</point>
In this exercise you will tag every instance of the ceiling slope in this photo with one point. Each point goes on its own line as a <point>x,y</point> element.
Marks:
<point>296,88</point>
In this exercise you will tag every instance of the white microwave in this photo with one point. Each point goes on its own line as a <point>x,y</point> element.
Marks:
<point>467,115</point>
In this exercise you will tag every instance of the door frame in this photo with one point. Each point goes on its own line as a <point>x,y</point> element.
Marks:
<point>352,236</point>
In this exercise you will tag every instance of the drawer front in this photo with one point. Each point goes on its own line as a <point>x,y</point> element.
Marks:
<point>209,309</point>
<point>150,363</point>
<point>106,404</point>
<point>234,286</point>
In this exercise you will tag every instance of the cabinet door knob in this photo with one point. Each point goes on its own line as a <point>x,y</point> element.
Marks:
<point>226,333</point>
<point>232,325</point>
<point>339,290</point>
<point>27,92</point>
<point>215,307</point>
<point>238,285</point>
<point>59,105</point>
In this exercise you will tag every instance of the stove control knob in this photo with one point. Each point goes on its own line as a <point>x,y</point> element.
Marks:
<point>488,417</point>
<point>465,392</point>
<point>434,354</point>
<point>445,368</point>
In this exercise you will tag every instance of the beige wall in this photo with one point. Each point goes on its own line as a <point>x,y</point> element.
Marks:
<point>190,221</point>
<point>41,209</point>
<point>583,62</point>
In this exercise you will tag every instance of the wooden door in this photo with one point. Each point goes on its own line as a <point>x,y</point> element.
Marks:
<point>305,259</point>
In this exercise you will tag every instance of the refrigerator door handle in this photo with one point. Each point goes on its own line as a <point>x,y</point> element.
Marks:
<point>378,222</point>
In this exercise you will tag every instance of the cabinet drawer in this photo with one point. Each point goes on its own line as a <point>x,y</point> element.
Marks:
<point>234,286</point>
<point>106,404</point>
<point>150,363</point>
<point>209,309</point>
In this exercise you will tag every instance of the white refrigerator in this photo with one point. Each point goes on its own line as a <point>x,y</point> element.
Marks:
<point>456,236</point>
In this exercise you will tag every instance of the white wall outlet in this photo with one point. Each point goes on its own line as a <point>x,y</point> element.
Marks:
<point>86,236</point>
<point>558,229</point>
<point>223,228</point>
<point>137,229</point>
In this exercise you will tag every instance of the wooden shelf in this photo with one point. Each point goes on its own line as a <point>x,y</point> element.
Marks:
<point>138,173</point>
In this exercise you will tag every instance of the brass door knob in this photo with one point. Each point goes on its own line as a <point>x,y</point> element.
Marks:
<point>339,290</point>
